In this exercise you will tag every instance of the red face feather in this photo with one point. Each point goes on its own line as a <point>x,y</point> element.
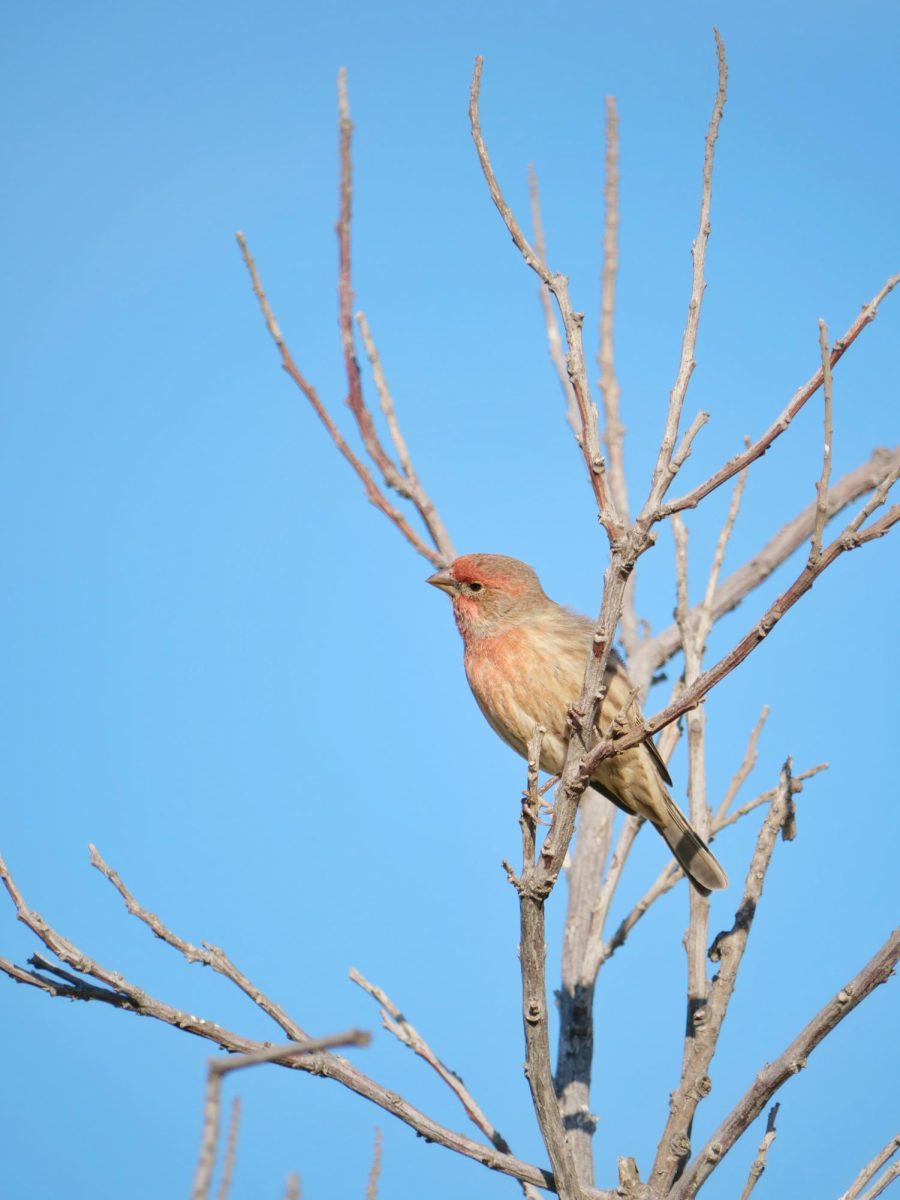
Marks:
<point>496,570</point>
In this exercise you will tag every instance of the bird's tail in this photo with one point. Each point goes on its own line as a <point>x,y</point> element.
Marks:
<point>694,856</point>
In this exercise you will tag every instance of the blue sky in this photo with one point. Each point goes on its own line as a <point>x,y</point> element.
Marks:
<point>221,665</point>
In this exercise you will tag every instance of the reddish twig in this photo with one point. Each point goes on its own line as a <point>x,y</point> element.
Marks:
<point>374,493</point>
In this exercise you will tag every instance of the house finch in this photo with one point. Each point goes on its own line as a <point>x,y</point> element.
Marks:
<point>525,658</point>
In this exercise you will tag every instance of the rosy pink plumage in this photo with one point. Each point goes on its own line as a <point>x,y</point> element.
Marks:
<point>525,658</point>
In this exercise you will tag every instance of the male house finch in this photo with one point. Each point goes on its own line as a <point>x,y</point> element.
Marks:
<point>525,658</point>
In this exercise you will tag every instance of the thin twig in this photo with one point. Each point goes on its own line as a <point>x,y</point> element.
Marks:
<point>715,570</point>
<point>120,993</point>
<point>850,538</point>
<point>209,956</point>
<point>230,1150</point>
<point>794,1058</point>
<point>672,872</point>
<point>883,1183</point>
<point>748,762</point>
<point>410,485</point>
<point>554,341</point>
<point>692,498</point>
<point>402,1029</point>
<point>666,463</point>
<point>759,1163</point>
<point>613,430</point>
<point>654,653</point>
<point>693,639</point>
<point>728,951</point>
<point>872,1167</point>
<point>822,485</point>
<point>217,1067</point>
<point>572,322</point>
<point>375,1169</point>
<point>374,493</point>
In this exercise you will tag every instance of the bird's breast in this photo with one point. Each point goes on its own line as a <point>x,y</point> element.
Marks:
<point>519,682</point>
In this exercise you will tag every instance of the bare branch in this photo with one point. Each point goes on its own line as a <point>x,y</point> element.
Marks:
<point>217,1067</point>
<point>882,1184</point>
<point>653,653</point>
<point>727,950</point>
<point>822,485</point>
<point>715,570</point>
<point>402,1029</point>
<point>210,956</point>
<point>575,1045</point>
<point>366,425</point>
<point>532,960</point>
<point>801,396</point>
<point>613,430</point>
<point>234,1124</point>
<point>572,323</point>
<point>687,442</point>
<point>554,341</point>
<point>872,1167</point>
<point>411,485</point>
<point>793,1059</point>
<point>672,872</point>
<point>667,465</point>
<point>594,954</point>
<point>375,1170</point>
<point>374,493</point>
<point>693,638</point>
<point>759,1163</point>
<point>119,993</point>
<point>850,538</point>
<point>748,762</point>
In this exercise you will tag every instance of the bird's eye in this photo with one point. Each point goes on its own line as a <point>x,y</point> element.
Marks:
<point>475,587</point>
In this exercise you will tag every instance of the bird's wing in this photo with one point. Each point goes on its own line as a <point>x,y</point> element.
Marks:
<point>618,686</point>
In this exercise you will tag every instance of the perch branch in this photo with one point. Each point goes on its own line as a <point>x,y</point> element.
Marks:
<point>535,1013</point>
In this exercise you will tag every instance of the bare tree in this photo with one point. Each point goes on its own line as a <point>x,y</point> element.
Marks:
<point>592,863</point>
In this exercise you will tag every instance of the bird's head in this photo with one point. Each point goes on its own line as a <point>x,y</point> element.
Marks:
<point>488,592</point>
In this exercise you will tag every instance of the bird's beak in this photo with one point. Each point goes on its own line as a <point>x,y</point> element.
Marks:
<point>443,580</point>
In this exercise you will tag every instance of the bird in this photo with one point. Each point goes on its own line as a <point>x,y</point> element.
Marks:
<point>525,657</point>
